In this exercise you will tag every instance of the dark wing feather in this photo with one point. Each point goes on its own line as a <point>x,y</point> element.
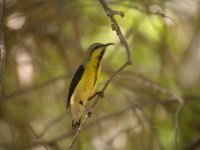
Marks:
<point>74,83</point>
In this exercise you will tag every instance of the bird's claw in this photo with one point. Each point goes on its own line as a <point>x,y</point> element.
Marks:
<point>89,114</point>
<point>76,125</point>
<point>100,94</point>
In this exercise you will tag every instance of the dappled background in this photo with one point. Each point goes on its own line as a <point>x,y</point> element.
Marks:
<point>142,108</point>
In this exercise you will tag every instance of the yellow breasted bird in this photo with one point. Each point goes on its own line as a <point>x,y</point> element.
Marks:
<point>84,82</point>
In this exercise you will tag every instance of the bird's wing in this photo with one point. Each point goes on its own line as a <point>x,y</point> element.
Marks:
<point>74,83</point>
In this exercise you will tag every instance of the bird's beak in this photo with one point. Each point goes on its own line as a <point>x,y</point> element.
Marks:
<point>108,44</point>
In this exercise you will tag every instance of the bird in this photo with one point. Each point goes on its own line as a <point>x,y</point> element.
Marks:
<point>84,82</point>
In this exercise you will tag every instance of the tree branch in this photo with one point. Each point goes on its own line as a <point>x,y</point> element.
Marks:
<point>115,27</point>
<point>2,44</point>
<point>70,133</point>
<point>34,87</point>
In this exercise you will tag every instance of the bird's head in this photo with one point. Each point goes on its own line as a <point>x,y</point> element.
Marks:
<point>95,51</point>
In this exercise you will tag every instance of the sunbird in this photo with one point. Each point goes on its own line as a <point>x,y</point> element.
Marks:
<point>84,81</point>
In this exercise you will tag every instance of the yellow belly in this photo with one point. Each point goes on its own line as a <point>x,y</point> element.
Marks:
<point>87,85</point>
<point>84,90</point>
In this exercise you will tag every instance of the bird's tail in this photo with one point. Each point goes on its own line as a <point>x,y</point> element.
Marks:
<point>76,123</point>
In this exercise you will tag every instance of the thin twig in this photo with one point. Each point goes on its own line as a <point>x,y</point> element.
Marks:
<point>115,27</point>
<point>78,132</point>
<point>108,82</point>
<point>34,87</point>
<point>2,44</point>
<point>70,133</point>
<point>145,11</point>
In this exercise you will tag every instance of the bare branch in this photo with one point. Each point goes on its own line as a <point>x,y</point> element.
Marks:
<point>108,82</point>
<point>35,87</point>
<point>70,133</point>
<point>115,27</point>
<point>146,10</point>
<point>78,132</point>
<point>2,44</point>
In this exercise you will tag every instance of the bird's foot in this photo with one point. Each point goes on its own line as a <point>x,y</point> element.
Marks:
<point>76,124</point>
<point>99,93</point>
<point>89,113</point>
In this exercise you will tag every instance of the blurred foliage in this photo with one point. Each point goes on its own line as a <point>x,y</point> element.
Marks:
<point>46,40</point>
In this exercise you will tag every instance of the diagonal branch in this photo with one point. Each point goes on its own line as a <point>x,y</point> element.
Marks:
<point>115,27</point>
<point>2,44</point>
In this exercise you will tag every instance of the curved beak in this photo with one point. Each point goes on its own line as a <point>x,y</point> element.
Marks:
<point>108,44</point>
